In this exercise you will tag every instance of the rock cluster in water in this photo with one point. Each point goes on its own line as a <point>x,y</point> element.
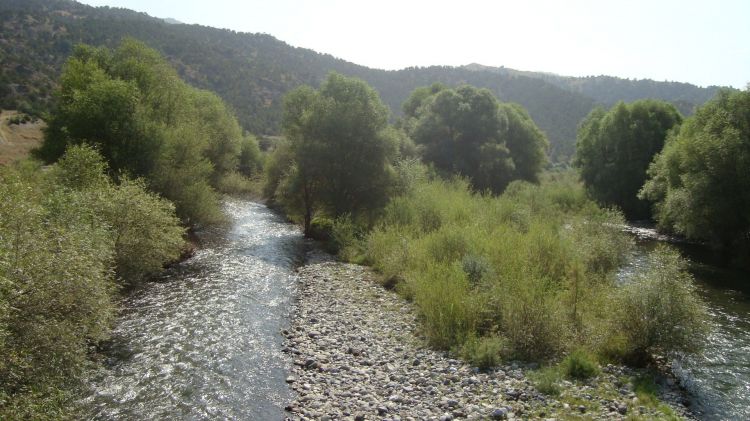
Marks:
<point>357,355</point>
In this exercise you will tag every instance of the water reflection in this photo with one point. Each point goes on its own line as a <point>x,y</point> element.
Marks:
<point>204,343</point>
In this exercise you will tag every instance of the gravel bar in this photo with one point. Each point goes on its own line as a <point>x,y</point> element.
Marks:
<point>357,355</point>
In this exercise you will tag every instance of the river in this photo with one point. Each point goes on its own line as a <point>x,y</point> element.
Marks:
<point>204,341</point>
<point>718,379</point>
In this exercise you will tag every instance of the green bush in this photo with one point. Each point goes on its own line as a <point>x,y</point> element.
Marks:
<point>441,293</point>
<point>235,183</point>
<point>250,159</point>
<point>347,238</point>
<point>547,381</point>
<point>484,352</point>
<point>66,235</point>
<point>534,267</point>
<point>146,231</point>
<point>659,312</point>
<point>580,365</point>
<point>56,288</point>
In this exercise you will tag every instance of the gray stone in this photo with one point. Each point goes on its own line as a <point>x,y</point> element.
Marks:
<point>499,414</point>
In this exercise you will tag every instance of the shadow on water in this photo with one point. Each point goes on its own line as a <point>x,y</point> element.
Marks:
<point>718,379</point>
<point>204,342</point>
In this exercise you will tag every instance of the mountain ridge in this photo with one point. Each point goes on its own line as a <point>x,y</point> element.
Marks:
<point>252,71</point>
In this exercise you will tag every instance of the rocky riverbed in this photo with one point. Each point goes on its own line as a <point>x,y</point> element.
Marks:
<point>357,355</point>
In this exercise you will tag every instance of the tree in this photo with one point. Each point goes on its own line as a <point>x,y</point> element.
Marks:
<point>250,159</point>
<point>700,182</point>
<point>466,131</point>
<point>615,147</point>
<point>341,149</point>
<point>146,122</point>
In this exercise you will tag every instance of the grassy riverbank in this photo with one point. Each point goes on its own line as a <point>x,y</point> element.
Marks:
<point>358,350</point>
<point>528,275</point>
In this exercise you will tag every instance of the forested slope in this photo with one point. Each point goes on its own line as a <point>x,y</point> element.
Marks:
<point>252,71</point>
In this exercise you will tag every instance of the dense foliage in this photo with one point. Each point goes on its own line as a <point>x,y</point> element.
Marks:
<point>68,238</point>
<point>700,182</point>
<point>252,72</point>
<point>341,150</point>
<point>146,122</point>
<point>529,274</point>
<point>466,131</point>
<point>615,147</point>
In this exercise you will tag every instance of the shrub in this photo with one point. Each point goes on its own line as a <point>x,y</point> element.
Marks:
<point>56,287</point>
<point>659,311</point>
<point>547,381</point>
<point>250,159</point>
<point>146,232</point>
<point>475,267</point>
<point>533,322</point>
<point>580,365</point>
<point>235,183</point>
<point>533,267</point>
<point>484,352</point>
<point>348,239</point>
<point>321,229</point>
<point>440,292</point>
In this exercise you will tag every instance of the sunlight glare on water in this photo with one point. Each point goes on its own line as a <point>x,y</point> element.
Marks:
<point>204,341</point>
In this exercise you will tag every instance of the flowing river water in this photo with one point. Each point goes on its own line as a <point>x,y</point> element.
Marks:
<point>204,342</point>
<point>718,379</point>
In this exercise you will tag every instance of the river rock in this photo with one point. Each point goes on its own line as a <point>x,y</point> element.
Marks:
<point>366,359</point>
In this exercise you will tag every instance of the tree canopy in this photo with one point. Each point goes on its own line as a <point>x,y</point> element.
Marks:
<point>700,182</point>
<point>341,149</point>
<point>146,122</point>
<point>468,132</point>
<point>615,147</point>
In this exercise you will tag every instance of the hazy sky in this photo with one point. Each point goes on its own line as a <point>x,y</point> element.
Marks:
<point>701,42</point>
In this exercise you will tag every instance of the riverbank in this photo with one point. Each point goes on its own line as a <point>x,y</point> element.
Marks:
<point>357,354</point>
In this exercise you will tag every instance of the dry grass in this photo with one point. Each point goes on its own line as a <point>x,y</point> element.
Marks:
<point>17,140</point>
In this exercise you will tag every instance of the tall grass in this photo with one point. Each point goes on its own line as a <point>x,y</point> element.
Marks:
<point>532,269</point>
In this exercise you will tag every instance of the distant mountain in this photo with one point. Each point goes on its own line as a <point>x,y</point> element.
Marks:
<point>252,72</point>
<point>608,90</point>
<point>172,21</point>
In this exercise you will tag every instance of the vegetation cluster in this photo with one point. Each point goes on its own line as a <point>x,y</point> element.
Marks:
<point>689,175</point>
<point>505,263</point>
<point>146,122</point>
<point>135,156</point>
<point>70,239</point>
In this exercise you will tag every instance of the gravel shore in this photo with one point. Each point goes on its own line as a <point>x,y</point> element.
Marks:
<point>357,355</point>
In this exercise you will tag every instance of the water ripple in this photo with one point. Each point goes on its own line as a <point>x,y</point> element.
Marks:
<point>204,342</point>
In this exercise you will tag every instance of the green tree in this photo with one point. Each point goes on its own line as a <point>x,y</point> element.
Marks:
<point>466,131</point>
<point>250,159</point>
<point>146,122</point>
<point>700,182</point>
<point>615,147</point>
<point>341,149</point>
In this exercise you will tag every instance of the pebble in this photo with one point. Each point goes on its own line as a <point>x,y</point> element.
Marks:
<point>355,352</point>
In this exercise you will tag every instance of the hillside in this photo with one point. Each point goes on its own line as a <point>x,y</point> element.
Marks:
<point>18,136</point>
<point>253,71</point>
<point>608,90</point>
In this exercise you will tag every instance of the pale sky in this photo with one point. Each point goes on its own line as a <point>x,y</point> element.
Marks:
<point>701,42</point>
